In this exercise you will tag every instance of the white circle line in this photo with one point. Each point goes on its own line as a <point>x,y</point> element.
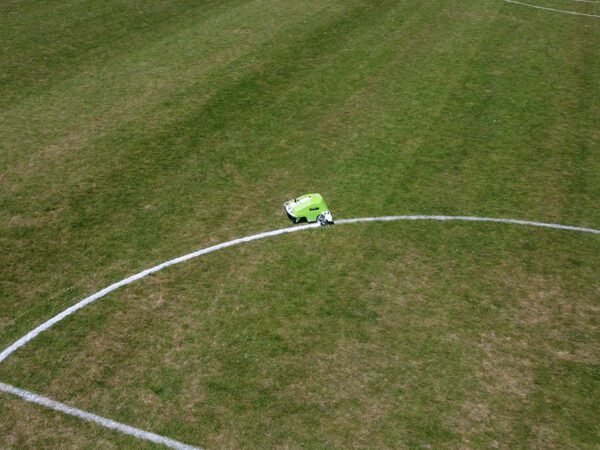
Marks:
<point>574,13</point>
<point>92,298</point>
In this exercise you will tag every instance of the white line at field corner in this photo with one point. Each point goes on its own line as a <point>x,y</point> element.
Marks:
<point>554,10</point>
<point>103,421</point>
<point>92,298</point>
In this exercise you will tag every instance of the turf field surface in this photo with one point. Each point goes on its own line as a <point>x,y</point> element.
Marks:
<point>133,132</point>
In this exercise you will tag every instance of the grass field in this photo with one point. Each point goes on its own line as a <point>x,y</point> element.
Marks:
<point>132,132</point>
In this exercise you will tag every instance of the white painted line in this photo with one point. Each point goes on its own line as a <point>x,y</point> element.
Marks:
<point>141,434</point>
<point>103,421</point>
<point>555,226</point>
<point>92,298</point>
<point>583,1</point>
<point>552,9</point>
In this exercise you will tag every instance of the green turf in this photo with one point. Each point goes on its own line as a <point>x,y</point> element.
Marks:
<point>133,132</point>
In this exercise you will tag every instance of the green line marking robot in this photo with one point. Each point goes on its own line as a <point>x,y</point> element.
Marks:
<point>308,208</point>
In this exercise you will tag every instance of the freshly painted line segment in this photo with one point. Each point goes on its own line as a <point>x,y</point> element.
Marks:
<point>103,421</point>
<point>92,298</point>
<point>552,9</point>
<point>555,226</point>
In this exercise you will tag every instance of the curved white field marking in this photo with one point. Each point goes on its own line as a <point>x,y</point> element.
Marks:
<point>92,298</point>
<point>103,421</point>
<point>553,9</point>
<point>555,226</point>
